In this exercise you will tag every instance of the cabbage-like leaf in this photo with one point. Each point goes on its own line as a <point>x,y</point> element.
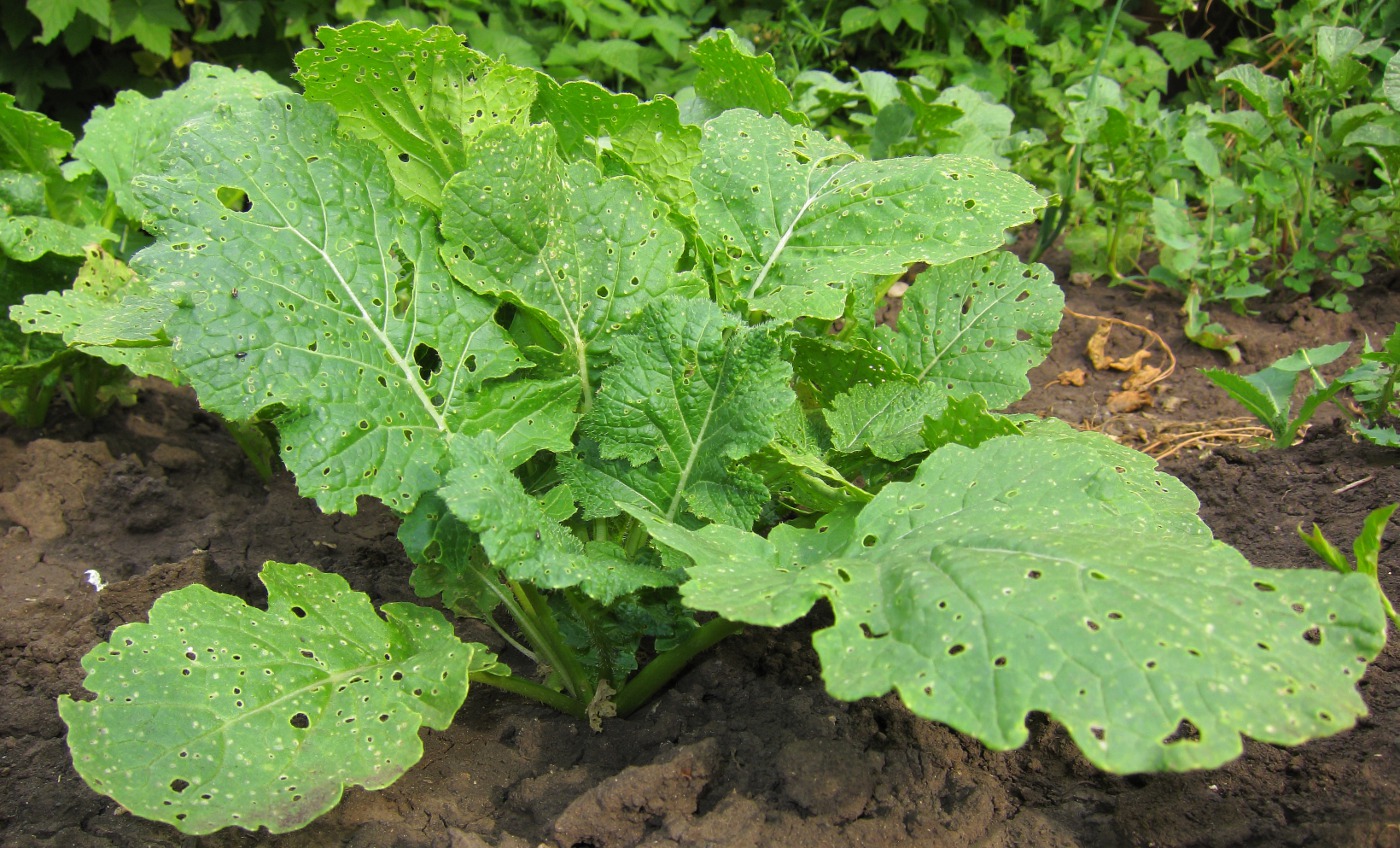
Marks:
<point>792,217</point>
<point>885,418</point>
<point>30,142</point>
<point>216,713</point>
<point>27,237</point>
<point>581,252</point>
<point>307,289</point>
<point>128,138</point>
<point>732,76</point>
<point>1057,572</point>
<point>692,393</point>
<point>110,313</point>
<point>643,140</point>
<point>419,96</point>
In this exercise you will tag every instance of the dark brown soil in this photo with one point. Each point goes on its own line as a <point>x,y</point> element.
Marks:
<point>745,749</point>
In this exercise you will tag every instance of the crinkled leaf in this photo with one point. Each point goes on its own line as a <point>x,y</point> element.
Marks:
<point>305,286</point>
<point>1263,93</point>
<point>732,77</point>
<point>582,252</point>
<point>692,393</point>
<point>109,312</point>
<point>1391,84</point>
<point>831,366</point>
<point>967,422</point>
<point>885,418</point>
<point>1055,572</point>
<point>449,560</point>
<point>793,467</point>
<point>420,96</point>
<point>128,138</point>
<point>792,217</point>
<point>626,136</point>
<point>55,15</point>
<point>976,326</point>
<point>150,22</point>
<point>216,713</point>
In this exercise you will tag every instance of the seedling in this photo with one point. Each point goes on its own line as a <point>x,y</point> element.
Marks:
<point>1269,393</point>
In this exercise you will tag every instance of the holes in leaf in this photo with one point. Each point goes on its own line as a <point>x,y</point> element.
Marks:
<point>1091,624</point>
<point>1115,616</point>
<point>403,157</point>
<point>396,676</point>
<point>1032,574</point>
<point>1098,732</point>
<point>1098,575</point>
<point>178,785</point>
<point>428,360</point>
<point>1263,587</point>
<point>1185,732</point>
<point>403,281</point>
<point>999,662</point>
<point>298,612</point>
<point>869,541</point>
<point>300,721</point>
<point>1313,636</point>
<point>308,654</point>
<point>967,304</point>
<point>956,649</point>
<point>969,203</point>
<point>234,199</point>
<point>844,575</point>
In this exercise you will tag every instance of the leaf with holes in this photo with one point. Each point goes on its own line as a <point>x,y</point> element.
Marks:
<point>983,589</point>
<point>304,287</point>
<point>216,713</point>
<point>128,138</point>
<point>791,217</point>
<point>420,97</point>
<point>693,392</point>
<point>580,252</point>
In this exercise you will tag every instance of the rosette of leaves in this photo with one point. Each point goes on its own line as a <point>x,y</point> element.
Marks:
<point>599,374</point>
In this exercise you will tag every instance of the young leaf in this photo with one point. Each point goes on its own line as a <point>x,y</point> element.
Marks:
<point>976,326</point>
<point>216,713</point>
<point>30,142</point>
<point>732,77</point>
<point>643,140</point>
<point>108,312</point>
<point>128,138</point>
<point>885,418</point>
<point>984,589</point>
<point>420,97</point>
<point>967,422</point>
<point>304,286</point>
<point>581,252</point>
<point>792,217</point>
<point>692,392</point>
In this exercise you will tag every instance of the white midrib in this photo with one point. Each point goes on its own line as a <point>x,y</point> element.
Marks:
<point>696,441</point>
<point>964,330</point>
<point>394,356</point>
<point>788,233</point>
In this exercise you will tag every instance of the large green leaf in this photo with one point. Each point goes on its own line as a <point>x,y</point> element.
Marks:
<point>27,237</point>
<point>581,252</point>
<point>30,142</point>
<point>128,138</point>
<point>792,217</point>
<point>110,313</point>
<point>421,97</point>
<point>216,713</point>
<point>692,393</point>
<point>306,289</point>
<point>732,76</point>
<point>1055,572</point>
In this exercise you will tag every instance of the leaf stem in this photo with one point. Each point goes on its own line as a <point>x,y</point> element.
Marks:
<point>661,670</point>
<point>542,631</point>
<point>534,691</point>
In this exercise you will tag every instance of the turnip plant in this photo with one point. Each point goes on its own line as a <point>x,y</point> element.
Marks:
<point>614,362</point>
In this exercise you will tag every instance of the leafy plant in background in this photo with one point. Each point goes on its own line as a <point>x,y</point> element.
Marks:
<point>585,349</point>
<point>1366,549</point>
<point>1372,385</point>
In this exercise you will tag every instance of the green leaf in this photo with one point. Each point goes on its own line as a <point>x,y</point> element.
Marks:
<point>1181,51</point>
<point>732,77</point>
<point>1367,546</point>
<point>1054,572</point>
<point>128,138</point>
<point>306,289</point>
<point>27,237</point>
<point>830,367</point>
<point>643,140</point>
<point>1391,85</point>
<point>448,559</point>
<point>217,714</point>
<point>976,326</point>
<point>792,217</point>
<point>55,15</point>
<point>150,22</point>
<point>885,418</point>
<point>581,252</point>
<point>1262,92</point>
<point>29,141</point>
<point>109,312</point>
<point>442,93</point>
<point>692,393</point>
<point>1267,394</point>
<point>967,422</point>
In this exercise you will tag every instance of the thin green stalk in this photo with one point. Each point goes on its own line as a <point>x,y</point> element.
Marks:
<point>661,670</point>
<point>580,605</point>
<point>534,691</point>
<point>542,631</point>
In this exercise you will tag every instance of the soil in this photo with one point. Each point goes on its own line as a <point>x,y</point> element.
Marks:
<point>745,749</point>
